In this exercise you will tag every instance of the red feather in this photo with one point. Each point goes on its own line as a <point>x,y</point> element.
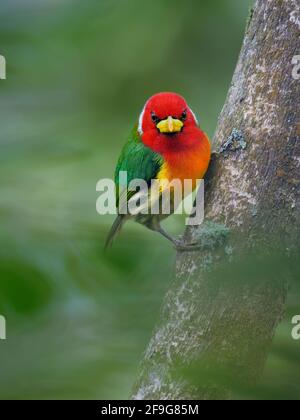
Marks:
<point>186,154</point>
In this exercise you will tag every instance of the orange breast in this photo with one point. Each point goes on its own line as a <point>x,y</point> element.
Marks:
<point>190,164</point>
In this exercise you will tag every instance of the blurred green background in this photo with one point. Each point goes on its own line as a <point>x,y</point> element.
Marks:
<point>78,74</point>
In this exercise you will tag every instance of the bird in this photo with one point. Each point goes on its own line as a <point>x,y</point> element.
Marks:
<point>167,143</point>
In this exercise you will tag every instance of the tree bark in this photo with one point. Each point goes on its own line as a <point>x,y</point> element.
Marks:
<point>226,299</point>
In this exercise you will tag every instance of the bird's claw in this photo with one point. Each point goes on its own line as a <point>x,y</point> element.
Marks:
<point>182,246</point>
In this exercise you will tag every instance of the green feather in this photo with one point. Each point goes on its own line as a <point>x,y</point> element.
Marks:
<point>138,160</point>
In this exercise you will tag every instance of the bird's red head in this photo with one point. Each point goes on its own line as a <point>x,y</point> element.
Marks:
<point>167,124</point>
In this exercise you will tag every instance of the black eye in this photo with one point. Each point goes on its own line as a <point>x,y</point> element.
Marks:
<point>183,115</point>
<point>154,118</point>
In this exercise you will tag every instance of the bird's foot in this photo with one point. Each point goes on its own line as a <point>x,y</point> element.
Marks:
<point>180,245</point>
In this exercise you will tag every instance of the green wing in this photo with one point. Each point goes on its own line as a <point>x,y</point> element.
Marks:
<point>138,160</point>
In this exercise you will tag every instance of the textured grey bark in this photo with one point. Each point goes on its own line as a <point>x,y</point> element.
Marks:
<point>223,307</point>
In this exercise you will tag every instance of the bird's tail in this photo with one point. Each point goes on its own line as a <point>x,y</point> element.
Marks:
<point>115,229</point>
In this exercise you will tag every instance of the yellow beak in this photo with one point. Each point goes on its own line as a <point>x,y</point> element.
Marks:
<point>170,125</point>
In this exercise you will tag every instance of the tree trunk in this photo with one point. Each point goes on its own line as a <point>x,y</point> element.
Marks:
<point>221,312</point>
